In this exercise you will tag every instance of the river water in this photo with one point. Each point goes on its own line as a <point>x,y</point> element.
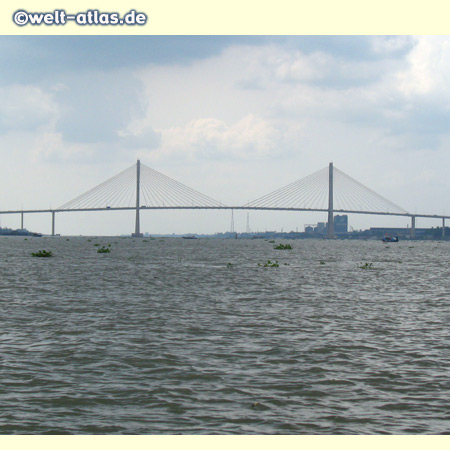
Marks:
<point>170,336</point>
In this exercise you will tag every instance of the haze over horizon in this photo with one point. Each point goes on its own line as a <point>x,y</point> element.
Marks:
<point>234,117</point>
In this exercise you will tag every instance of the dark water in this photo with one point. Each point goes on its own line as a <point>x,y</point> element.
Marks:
<point>160,336</point>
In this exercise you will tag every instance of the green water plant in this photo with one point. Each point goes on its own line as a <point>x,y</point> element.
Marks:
<point>322,262</point>
<point>229,265</point>
<point>43,254</point>
<point>96,245</point>
<point>283,247</point>
<point>271,242</point>
<point>366,266</point>
<point>270,263</point>
<point>104,250</point>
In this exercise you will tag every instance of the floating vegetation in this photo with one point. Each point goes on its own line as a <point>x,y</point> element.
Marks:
<point>96,245</point>
<point>322,262</point>
<point>89,240</point>
<point>271,242</point>
<point>104,250</point>
<point>144,240</point>
<point>229,266</point>
<point>270,263</point>
<point>43,254</point>
<point>283,247</point>
<point>67,239</point>
<point>366,266</point>
<point>26,239</point>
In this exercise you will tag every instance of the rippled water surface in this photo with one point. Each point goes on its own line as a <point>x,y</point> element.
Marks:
<point>164,336</point>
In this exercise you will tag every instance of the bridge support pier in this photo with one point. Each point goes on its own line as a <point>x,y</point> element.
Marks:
<point>443,227</point>
<point>330,227</point>
<point>412,233</point>
<point>21,220</point>
<point>137,229</point>
<point>53,223</point>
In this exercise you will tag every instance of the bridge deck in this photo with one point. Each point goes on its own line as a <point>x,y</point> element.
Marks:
<point>247,208</point>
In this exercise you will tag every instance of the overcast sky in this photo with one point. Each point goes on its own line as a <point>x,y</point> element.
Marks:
<point>232,117</point>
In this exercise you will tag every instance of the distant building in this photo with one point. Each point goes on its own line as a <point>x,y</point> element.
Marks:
<point>320,228</point>
<point>402,232</point>
<point>340,224</point>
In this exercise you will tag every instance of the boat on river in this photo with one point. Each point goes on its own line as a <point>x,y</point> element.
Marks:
<point>390,239</point>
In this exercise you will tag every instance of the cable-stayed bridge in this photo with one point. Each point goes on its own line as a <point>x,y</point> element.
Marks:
<point>139,187</point>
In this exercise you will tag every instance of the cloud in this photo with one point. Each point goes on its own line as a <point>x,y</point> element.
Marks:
<point>428,71</point>
<point>209,138</point>
<point>95,105</point>
<point>51,147</point>
<point>392,46</point>
<point>142,137</point>
<point>284,93</point>
<point>26,107</point>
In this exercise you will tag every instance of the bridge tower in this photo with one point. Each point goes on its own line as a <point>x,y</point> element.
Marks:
<point>412,230</point>
<point>137,230</point>
<point>330,228</point>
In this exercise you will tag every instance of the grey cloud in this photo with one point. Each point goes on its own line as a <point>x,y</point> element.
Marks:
<point>32,58</point>
<point>26,108</point>
<point>95,106</point>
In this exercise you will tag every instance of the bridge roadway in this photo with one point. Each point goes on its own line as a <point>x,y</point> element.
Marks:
<point>247,208</point>
<point>258,208</point>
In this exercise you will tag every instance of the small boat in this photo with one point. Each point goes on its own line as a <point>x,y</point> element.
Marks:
<point>390,239</point>
<point>189,236</point>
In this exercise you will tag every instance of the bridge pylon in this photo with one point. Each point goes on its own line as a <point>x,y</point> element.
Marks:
<point>140,187</point>
<point>412,230</point>
<point>137,228</point>
<point>330,227</point>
